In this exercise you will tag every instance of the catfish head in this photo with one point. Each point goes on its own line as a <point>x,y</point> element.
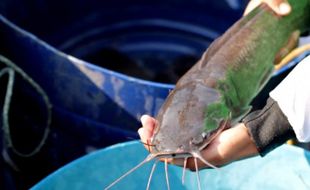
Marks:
<point>181,122</point>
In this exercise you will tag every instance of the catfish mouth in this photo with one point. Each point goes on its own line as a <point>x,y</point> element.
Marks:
<point>179,151</point>
<point>166,155</point>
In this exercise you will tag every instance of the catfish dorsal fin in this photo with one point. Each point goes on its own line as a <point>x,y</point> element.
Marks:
<point>212,49</point>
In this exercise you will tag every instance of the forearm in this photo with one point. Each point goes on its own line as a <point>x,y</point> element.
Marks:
<point>240,145</point>
<point>232,144</point>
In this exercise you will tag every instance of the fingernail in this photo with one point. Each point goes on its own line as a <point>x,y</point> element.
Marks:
<point>140,131</point>
<point>143,118</point>
<point>284,8</point>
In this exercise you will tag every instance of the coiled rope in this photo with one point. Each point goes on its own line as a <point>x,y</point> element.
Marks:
<point>11,69</point>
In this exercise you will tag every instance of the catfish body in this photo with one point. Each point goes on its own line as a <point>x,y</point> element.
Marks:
<point>216,92</point>
<point>218,89</point>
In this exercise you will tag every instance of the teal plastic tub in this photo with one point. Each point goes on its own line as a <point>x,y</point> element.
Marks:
<point>287,167</point>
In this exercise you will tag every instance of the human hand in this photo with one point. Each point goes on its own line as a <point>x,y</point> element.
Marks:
<point>147,130</point>
<point>230,145</point>
<point>280,7</point>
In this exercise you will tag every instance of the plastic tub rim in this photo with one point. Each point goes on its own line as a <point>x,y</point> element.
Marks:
<point>117,74</point>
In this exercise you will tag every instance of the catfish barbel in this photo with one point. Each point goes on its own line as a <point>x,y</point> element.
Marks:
<point>217,91</point>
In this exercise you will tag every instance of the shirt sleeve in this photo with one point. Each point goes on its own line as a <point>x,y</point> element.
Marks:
<point>293,98</point>
<point>268,128</point>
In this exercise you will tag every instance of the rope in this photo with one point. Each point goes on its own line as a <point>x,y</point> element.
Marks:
<point>11,69</point>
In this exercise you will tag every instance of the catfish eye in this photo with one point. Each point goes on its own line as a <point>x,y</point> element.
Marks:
<point>173,155</point>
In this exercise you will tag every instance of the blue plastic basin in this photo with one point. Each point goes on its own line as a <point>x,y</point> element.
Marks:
<point>285,168</point>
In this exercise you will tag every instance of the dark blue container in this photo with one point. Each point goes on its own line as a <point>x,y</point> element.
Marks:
<point>141,39</point>
<point>103,64</point>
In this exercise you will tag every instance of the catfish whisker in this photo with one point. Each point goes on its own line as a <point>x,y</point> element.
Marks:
<point>147,159</point>
<point>197,174</point>
<point>199,156</point>
<point>166,172</point>
<point>151,174</point>
<point>184,170</point>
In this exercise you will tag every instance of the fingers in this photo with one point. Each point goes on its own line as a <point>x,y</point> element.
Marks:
<point>280,7</point>
<point>147,130</point>
<point>285,8</point>
<point>148,123</point>
<point>143,135</point>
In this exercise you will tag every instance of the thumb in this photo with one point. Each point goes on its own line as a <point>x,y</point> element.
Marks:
<point>285,8</point>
